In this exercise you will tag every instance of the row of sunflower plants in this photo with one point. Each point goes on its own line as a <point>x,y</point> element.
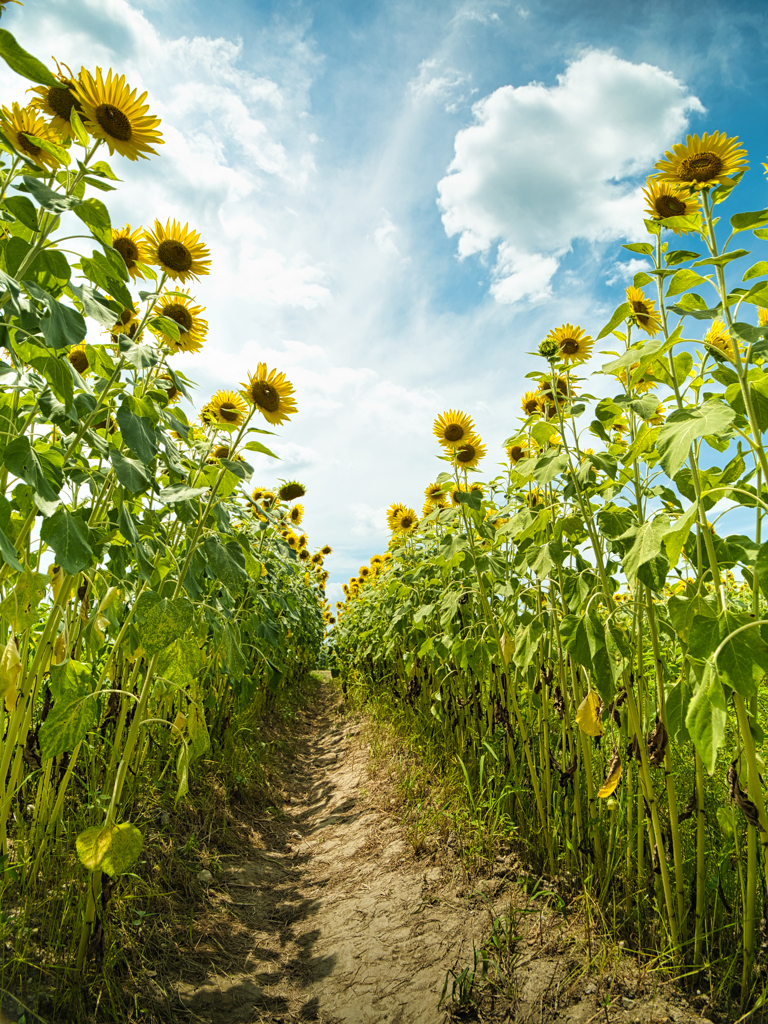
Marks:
<point>586,624</point>
<point>148,594</point>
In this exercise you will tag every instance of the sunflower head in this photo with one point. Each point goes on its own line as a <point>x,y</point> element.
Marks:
<point>291,490</point>
<point>317,558</point>
<point>516,452</point>
<point>434,493</point>
<point>207,415</point>
<point>78,359</point>
<point>177,250</point>
<point>229,409</point>
<point>762,317</point>
<point>469,452</point>
<point>296,514</point>
<point>718,340</point>
<point>23,127</point>
<point>556,390</point>
<point>130,245</point>
<point>452,428</point>
<point>303,540</point>
<point>58,102</point>
<point>548,348</point>
<point>271,393</point>
<point>659,416</point>
<point>702,162</point>
<point>643,313</point>
<point>532,403</point>
<point>165,381</point>
<point>112,112</point>
<point>326,549</point>
<point>181,309</point>
<point>393,512</point>
<point>221,451</point>
<point>666,199</point>
<point>304,555</point>
<point>573,344</point>
<point>407,521</point>
<point>641,385</point>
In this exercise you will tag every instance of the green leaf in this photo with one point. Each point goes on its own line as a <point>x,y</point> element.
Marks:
<point>8,551</point>
<point>100,270</point>
<point>69,538</point>
<point>22,461</point>
<point>180,663</point>
<point>94,214</point>
<point>54,202</point>
<point>138,433</point>
<point>756,270</point>
<point>527,640</point>
<point>77,127</point>
<point>23,209</point>
<point>160,621</point>
<point>706,718</point>
<point>743,661</point>
<point>112,849</point>
<point>24,63</point>
<point>20,607</point>
<point>58,375</point>
<point>180,492</point>
<point>684,280</point>
<point>675,539</point>
<point>619,315</point>
<point>646,546</point>
<point>164,325</point>
<point>642,247</point>
<point>226,562</point>
<point>74,712</point>
<point>685,425</point>
<point>722,259</point>
<point>761,568</point>
<point>255,446</point>
<point>676,256</point>
<point>131,474</point>
<point>749,221</point>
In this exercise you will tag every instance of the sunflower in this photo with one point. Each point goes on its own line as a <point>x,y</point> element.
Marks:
<point>451,428</point>
<point>165,381</point>
<point>78,359</point>
<point>407,521</point>
<point>718,339</point>
<point>177,251</point>
<point>304,554</point>
<point>434,493</point>
<point>477,488</point>
<point>296,514</point>
<point>292,541</point>
<point>455,500</point>
<point>303,540</point>
<point>271,393</point>
<point>223,451</point>
<point>665,199</point>
<point>111,112</point>
<point>291,490</point>
<point>192,329</point>
<point>268,498</point>
<point>393,512</point>
<point>557,390</point>
<point>573,343</point>
<point>643,314</point>
<point>258,493</point>
<point>516,452</point>
<point>702,162</point>
<point>20,126</point>
<point>207,415</point>
<point>641,385</point>
<point>326,549</point>
<point>129,318</point>
<point>659,416</point>
<point>365,572</point>
<point>58,102</point>
<point>532,403</point>
<point>534,498</point>
<point>317,558</point>
<point>762,317</point>
<point>228,408</point>
<point>555,439</point>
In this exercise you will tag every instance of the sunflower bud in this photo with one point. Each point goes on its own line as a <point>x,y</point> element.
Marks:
<point>549,349</point>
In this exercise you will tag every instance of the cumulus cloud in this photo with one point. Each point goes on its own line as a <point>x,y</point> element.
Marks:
<point>543,166</point>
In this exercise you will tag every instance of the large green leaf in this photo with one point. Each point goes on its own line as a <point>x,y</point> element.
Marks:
<point>226,562</point>
<point>95,215</point>
<point>74,712</point>
<point>646,545</point>
<point>19,607</point>
<point>683,427</point>
<point>743,660</point>
<point>22,461</point>
<point>684,280</point>
<point>24,63</point>
<point>706,718</point>
<point>69,538</point>
<point>138,433</point>
<point>131,473</point>
<point>160,621</point>
<point>112,849</point>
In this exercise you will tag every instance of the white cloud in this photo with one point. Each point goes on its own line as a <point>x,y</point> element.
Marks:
<point>621,271</point>
<point>435,82</point>
<point>543,166</point>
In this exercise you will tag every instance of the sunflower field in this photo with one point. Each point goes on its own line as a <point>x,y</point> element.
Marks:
<point>150,596</point>
<point>583,635</point>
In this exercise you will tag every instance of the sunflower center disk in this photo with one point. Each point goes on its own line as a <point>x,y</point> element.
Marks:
<point>670,206</point>
<point>174,255</point>
<point>180,315</point>
<point>465,454</point>
<point>229,412</point>
<point>61,101</point>
<point>126,316</point>
<point>265,396</point>
<point>79,360</point>
<point>569,346</point>
<point>702,167</point>
<point>128,250</point>
<point>114,122</point>
<point>453,432</point>
<point>26,143</point>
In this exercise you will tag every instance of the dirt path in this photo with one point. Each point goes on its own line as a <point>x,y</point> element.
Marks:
<point>335,920</point>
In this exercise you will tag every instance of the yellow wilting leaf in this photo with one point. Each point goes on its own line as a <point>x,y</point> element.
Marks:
<point>10,668</point>
<point>588,715</point>
<point>507,648</point>
<point>613,777</point>
<point>179,722</point>
<point>60,647</point>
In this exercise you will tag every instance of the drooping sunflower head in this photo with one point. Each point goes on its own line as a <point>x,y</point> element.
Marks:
<point>643,313</point>
<point>641,385</point>
<point>317,558</point>
<point>469,452</point>
<point>291,490</point>
<point>228,408</point>
<point>453,427</point>
<point>393,512</point>
<point>271,393</point>
<point>326,549</point>
<point>112,112</point>
<point>573,344</point>
<point>130,245</point>
<point>23,127</point>
<point>532,403</point>
<point>78,359</point>
<point>207,415</point>
<point>181,309</point>
<point>434,493</point>
<point>407,521</point>
<point>719,340</point>
<point>517,452</point>
<point>166,383</point>
<point>58,102</point>
<point>702,162</point>
<point>303,540</point>
<point>177,250</point>
<point>666,199</point>
<point>221,451</point>
<point>296,514</point>
<point>304,555</point>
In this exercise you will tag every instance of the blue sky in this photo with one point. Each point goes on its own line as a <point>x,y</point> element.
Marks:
<point>403,198</point>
